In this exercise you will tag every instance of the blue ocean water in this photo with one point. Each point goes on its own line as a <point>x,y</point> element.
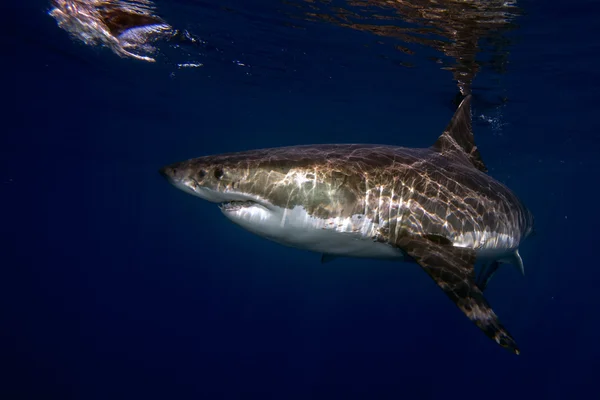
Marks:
<point>117,286</point>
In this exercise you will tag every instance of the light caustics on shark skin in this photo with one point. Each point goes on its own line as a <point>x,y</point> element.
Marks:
<point>128,28</point>
<point>433,206</point>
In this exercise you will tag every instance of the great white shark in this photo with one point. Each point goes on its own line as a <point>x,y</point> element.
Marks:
<point>433,206</point>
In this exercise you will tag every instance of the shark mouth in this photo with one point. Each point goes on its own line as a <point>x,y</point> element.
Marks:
<point>236,205</point>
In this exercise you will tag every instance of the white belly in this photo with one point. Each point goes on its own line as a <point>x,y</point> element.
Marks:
<point>349,236</point>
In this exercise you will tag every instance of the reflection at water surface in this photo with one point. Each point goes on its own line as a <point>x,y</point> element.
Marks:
<point>126,27</point>
<point>462,31</point>
<point>457,28</point>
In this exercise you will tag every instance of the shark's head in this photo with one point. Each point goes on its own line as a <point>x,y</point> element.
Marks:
<point>239,190</point>
<point>217,181</point>
<point>264,189</point>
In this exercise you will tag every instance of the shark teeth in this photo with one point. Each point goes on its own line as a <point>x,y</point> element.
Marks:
<point>236,205</point>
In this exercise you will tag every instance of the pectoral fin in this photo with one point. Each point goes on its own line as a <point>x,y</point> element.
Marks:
<point>452,268</point>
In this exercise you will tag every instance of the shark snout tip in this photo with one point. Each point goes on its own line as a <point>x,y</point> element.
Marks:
<point>166,172</point>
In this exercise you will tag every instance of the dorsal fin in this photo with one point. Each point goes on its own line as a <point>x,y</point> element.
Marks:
<point>458,136</point>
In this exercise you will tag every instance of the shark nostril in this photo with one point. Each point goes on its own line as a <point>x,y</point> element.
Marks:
<point>201,174</point>
<point>218,172</point>
<point>165,172</point>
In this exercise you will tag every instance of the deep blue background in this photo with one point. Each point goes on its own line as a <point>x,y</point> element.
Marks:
<point>117,286</point>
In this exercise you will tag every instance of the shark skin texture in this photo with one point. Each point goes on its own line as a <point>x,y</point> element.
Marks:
<point>435,207</point>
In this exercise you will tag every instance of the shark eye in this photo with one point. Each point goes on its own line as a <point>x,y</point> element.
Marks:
<point>201,174</point>
<point>218,172</point>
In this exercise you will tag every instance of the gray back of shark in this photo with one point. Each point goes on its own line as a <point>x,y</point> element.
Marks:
<point>434,206</point>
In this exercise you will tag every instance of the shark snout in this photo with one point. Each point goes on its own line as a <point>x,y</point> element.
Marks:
<point>167,172</point>
<point>174,173</point>
<point>177,176</point>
